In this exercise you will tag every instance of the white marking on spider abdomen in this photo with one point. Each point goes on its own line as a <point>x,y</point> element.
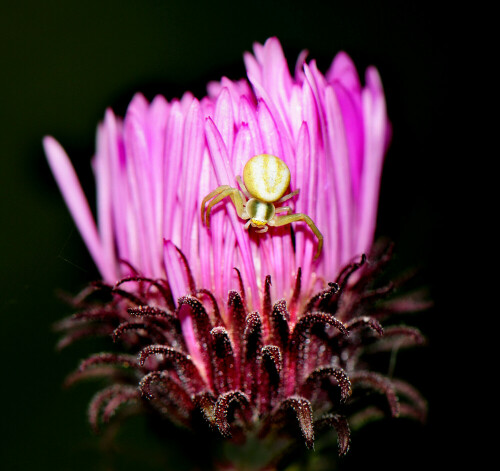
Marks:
<point>266,177</point>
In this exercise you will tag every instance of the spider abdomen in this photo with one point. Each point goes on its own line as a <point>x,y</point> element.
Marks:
<point>266,177</point>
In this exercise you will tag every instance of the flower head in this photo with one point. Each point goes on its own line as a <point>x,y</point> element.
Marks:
<point>247,328</point>
<point>154,168</point>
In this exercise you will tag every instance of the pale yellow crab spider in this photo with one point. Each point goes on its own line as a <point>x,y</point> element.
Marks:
<point>266,178</point>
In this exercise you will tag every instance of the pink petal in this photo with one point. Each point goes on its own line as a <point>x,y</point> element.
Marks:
<point>119,189</point>
<point>157,118</point>
<point>244,149</point>
<point>305,172</point>
<point>351,110</point>
<point>340,160</point>
<point>140,179</point>
<point>248,116</point>
<point>77,203</point>
<point>327,218</point>
<point>176,272</point>
<point>205,251</point>
<point>376,129</point>
<point>103,176</point>
<point>173,159</point>
<point>224,119</point>
<point>192,152</point>
<point>191,339</point>
<point>344,71</point>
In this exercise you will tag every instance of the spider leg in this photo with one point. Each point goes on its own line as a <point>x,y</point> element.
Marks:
<point>217,191</point>
<point>283,209</point>
<point>237,198</point>
<point>239,202</point>
<point>243,187</point>
<point>289,218</point>
<point>287,197</point>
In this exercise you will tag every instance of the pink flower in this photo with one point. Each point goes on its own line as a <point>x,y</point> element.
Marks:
<point>173,274</point>
<point>153,169</point>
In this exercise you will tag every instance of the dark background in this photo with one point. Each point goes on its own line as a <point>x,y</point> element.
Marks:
<point>62,63</point>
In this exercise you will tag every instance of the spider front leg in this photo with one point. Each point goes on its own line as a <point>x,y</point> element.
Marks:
<point>289,218</point>
<point>220,193</point>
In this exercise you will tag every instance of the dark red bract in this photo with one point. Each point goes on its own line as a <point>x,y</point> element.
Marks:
<point>259,373</point>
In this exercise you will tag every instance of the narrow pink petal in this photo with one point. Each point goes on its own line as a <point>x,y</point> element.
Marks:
<point>140,178</point>
<point>376,129</point>
<point>259,51</point>
<point>192,344</point>
<point>248,116</point>
<point>318,91</point>
<point>280,117</point>
<point>102,175</point>
<point>295,111</point>
<point>344,71</point>
<point>276,76</point>
<point>176,272</point>
<point>172,158</point>
<point>205,248</point>
<point>187,185</point>
<point>253,68</point>
<point>219,226</point>
<point>157,122</point>
<point>319,78</point>
<point>215,236</point>
<point>345,79</point>
<point>327,217</point>
<point>77,203</point>
<point>310,116</point>
<point>119,188</point>
<point>213,89</point>
<point>340,159</point>
<point>264,265</point>
<point>243,149</point>
<point>277,104</point>
<point>186,101</point>
<point>228,263</point>
<point>219,154</point>
<point>352,114</point>
<point>207,107</point>
<point>236,90</point>
<point>224,119</point>
<point>175,220</point>
<point>304,245</point>
<point>299,66</point>
<point>270,135</point>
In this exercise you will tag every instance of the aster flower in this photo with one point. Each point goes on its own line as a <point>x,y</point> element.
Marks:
<point>249,331</point>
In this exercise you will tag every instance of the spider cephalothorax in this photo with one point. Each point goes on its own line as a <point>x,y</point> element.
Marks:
<point>266,178</point>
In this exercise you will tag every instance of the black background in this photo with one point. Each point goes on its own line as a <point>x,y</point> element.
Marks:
<point>62,63</point>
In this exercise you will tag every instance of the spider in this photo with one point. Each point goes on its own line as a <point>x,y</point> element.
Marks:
<point>265,180</point>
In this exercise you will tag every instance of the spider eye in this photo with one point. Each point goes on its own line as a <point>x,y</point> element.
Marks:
<point>266,177</point>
